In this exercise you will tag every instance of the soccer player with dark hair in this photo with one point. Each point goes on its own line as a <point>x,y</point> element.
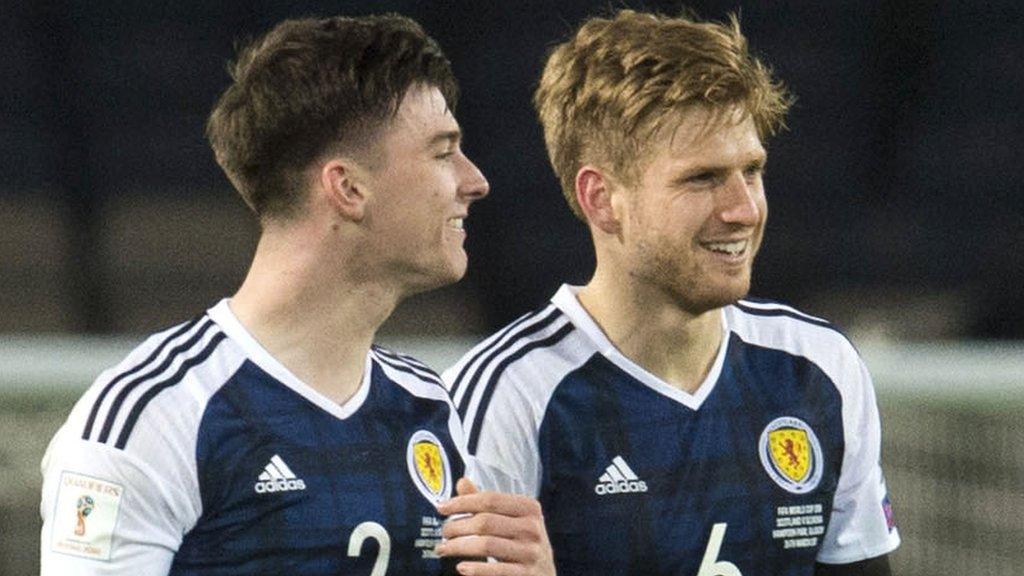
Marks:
<point>668,424</point>
<point>268,435</point>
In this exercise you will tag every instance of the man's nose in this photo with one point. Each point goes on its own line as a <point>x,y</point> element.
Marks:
<point>472,183</point>
<point>738,200</point>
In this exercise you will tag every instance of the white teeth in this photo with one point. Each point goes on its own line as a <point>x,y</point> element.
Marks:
<point>455,223</point>
<point>731,248</point>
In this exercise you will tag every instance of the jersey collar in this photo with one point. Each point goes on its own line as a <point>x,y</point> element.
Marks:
<point>226,319</point>
<point>566,301</point>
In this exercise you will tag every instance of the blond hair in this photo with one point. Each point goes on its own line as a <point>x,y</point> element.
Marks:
<point>617,81</point>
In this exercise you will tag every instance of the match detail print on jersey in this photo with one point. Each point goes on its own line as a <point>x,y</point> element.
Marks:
<point>791,454</point>
<point>429,467</point>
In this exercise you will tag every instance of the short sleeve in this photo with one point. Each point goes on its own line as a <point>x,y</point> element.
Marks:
<point>501,389</point>
<point>505,459</point>
<point>861,524</point>
<point>496,478</point>
<point>106,511</point>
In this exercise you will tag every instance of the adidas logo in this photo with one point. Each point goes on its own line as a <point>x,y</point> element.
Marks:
<point>619,478</point>
<point>278,477</point>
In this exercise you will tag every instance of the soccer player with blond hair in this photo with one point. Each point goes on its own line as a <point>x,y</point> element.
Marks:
<point>669,424</point>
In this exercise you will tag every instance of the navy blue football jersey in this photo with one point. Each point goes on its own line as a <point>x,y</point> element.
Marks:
<point>200,454</point>
<point>771,465</point>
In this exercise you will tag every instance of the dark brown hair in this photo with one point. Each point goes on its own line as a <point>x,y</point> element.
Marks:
<point>313,86</point>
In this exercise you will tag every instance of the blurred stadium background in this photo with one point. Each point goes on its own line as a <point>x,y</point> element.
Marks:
<point>897,211</point>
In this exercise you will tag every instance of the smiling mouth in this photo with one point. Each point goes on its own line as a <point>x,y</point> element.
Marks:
<point>456,223</point>
<point>736,248</point>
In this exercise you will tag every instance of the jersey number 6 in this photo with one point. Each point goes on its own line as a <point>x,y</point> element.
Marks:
<point>711,565</point>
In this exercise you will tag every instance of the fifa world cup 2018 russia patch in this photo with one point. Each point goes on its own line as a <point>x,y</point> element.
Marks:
<point>85,516</point>
<point>429,467</point>
<point>791,454</point>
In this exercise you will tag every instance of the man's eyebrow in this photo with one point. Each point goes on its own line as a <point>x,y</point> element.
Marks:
<point>758,159</point>
<point>453,136</point>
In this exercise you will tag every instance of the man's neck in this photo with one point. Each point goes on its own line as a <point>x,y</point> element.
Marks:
<point>310,314</point>
<point>653,331</point>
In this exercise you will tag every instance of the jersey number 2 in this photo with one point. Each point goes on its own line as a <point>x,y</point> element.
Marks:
<point>378,533</point>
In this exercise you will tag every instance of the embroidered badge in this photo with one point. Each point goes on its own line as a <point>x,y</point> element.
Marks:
<point>85,516</point>
<point>429,467</point>
<point>791,454</point>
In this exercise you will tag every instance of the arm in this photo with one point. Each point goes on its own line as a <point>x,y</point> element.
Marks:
<point>871,567</point>
<point>506,527</point>
<point>861,527</point>
<point>106,512</point>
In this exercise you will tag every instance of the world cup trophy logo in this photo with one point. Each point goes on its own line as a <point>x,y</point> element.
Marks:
<point>85,507</point>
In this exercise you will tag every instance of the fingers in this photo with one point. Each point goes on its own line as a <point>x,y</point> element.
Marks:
<point>465,486</point>
<point>506,527</point>
<point>493,569</point>
<point>496,502</point>
<point>503,550</point>
<point>489,524</point>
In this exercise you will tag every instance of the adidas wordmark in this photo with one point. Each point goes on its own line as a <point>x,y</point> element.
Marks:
<point>619,478</point>
<point>278,477</point>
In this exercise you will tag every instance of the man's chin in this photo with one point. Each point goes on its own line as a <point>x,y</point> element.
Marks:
<point>730,297</point>
<point>440,277</point>
<point>455,271</point>
<point>714,298</point>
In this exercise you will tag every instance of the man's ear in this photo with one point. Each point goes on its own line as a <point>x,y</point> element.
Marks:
<point>594,188</point>
<point>344,184</point>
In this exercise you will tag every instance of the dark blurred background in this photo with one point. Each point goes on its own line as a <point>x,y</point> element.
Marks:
<point>896,200</point>
<point>896,196</point>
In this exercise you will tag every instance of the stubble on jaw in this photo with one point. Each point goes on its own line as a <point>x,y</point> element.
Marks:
<point>680,286</point>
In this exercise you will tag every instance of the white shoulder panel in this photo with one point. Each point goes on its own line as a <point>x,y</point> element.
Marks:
<point>421,381</point>
<point>505,393</point>
<point>858,528</point>
<point>127,454</point>
<point>786,329</point>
